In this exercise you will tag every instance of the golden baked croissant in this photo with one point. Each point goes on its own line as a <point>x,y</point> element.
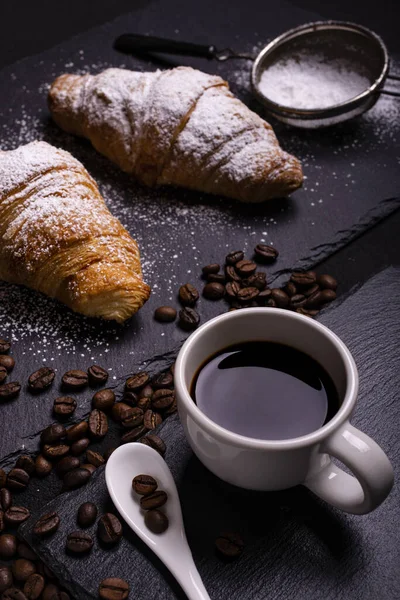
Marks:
<point>179,127</point>
<point>57,235</point>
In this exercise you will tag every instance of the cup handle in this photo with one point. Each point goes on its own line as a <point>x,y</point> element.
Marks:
<point>372,469</point>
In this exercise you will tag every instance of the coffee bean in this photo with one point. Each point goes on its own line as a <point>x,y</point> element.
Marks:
<point>188,294</point>
<point>22,569</point>
<point>247,294</point>
<point>3,373</point>
<point>75,379</point>
<point>109,529</point>
<point>77,431</point>
<point>156,521</point>
<point>327,282</point>
<point>231,274</point>
<point>213,291</point>
<point>64,406</point>
<point>265,253</point>
<point>26,463</point>
<point>232,289</point>
<point>5,499</point>
<point>67,464</point>
<point>25,551</point>
<point>6,579</point>
<point>8,546</point>
<point>162,399</point>
<point>328,295</point>
<point>297,301</point>
<point>290,289</point>
<point>41,379</point>
<point>132,417</point>
<point>3,478</point>
<point>34,586</point>
<point>130,398</point>
<point>13,593</point>
<point>309,291</point>
<point>42,466</point>
<point>79,447</point>
<point>9,391</point>
<point>16,515</point>
<point>7,362</point>
<point>53,434</point>
<point>95,458</point>
<point>98,424</point>
<point>76,478</point>
<point>281,298</point>
<point>118,410</point>
<point>17,479</point>
<point>151,419</point>
<point>189,319</point>
<point>155,442</point>
<point>108,453</point>
<point>113,589</point>
<point>133,434</point>
<point>210,269</point>
<point>154,500</point>
<point>103,400</point>
<point>5,345</point>
<point>144,484</point>
<point>79,542</point>
<point>89,467</point>
<point>87,514</point>
<point>165,314</point>
<point>245,268</point>
<point>144,403</point>
<point>229,545</point>
<point>303,278</point>
<point>2,523</point>
<point>52,592</point>
<point>234,257</point>
<point>162,381</point>
<point>171,409</point>
<point>264,296</point>
<point>55,451</point>
<point>258,280</point>
<point>216,278</point>
<point>137,382</point>
<point>97,375</point>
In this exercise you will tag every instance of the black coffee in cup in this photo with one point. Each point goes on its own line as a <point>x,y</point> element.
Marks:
<point>265,390</point>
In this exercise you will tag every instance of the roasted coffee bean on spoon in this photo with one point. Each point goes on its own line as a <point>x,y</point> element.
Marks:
<point>189,318</point>
<point>165,314</point>
<point>87,514</point>
<point>154,500</point>
<point>41,379</point>
<point>64,406</point>
<point>155,442</point>
<point>188,294</point>
<point>9,391</point>
<point>97,375</point>
<point>47,524</point>
<point>79,542</point>
<point>229,545</point>
<point>103,400</point>
<point>156,521</point>
<point>7,362</point>
<point>144,484</point>
<point>113,588</point>
<point>75,379</point>
<point>109,529</point>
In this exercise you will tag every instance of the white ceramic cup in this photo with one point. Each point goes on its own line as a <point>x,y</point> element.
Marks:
<point>279,464</point>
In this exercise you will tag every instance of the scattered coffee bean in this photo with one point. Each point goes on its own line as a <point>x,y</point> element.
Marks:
<point>156,521</point>
<point>109,529</point>
<point>188,294</point>
<point>79,542</point>
<point>98,424</point>
<point>95,458</point>
<point>216,278</point>
<point>245,268</point>
<point>13,593</point>
<point>247,294</point>
<point>17,479</point>
<point>328,295</point>
<point>232,289</point>
<point>16,515</point>
<point>26,463</point>
<point>25,551</point>
<point>130,398</point>
<point>162,399</point>
<point>3,372</point>
<point>7,362</point>
<point>146,392</point>
<point>234,257</point>
<point>76,478</point>
<point>258,280</point>
<point>75,379</point>
<point>53,434</point>
<point>231,274</point>
<point>281,298</point>
<point>87,514</point>
<point>97,375</point>
<point>144,484</point>
<point>77,431</point>
<point>52,592</point>
<point>118,410</point>
<point>290,289</point>
<point>79,447</point>
<point>8,546</point>
<point>5,499</point>
<point>155,442</point>
<point>132,417</point>
<point>327,282</point>
<point>171,409</point>
<point>133,434</point>
<point>22,569</point>
<point>103,400</point>
<point>303,279</point>
<point>137,382</point>
<point>42,466</point>
<point>108,453</point>
<point>113,589</point>
<point>266,254</point>
<point>297,301</point>
<point>89,467</point>
<point>151,419</point>
<point>9,391</point>
<point>162,381</point>
<point>55,451</point>
<point>34,586</point>
<point>6,579</point>
<point>64,406</point>
<point>229,545</point>
<point>47,524</point>
<point>144,403</point>
<point>165,314</point>
<point>213,291</point>
<point>154,500</point>
<point>210,269</point>
<point>41,379</point>
<point>188,319</point>
<point>5,345</point>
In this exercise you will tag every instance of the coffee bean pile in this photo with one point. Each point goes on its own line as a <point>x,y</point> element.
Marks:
<point>151,501</point>
<point>242,285</point>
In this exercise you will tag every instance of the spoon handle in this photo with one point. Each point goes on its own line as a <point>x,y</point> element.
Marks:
<point>190,581</point>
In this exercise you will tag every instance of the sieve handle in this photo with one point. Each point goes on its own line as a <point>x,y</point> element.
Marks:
<point>130,43</point>
<point>389,92</point>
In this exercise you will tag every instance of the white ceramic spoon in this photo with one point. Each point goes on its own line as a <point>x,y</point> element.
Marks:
<point>171,547</point>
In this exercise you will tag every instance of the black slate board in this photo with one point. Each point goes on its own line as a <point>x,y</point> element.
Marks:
<point>296,546</point>
<point>179,231</point>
